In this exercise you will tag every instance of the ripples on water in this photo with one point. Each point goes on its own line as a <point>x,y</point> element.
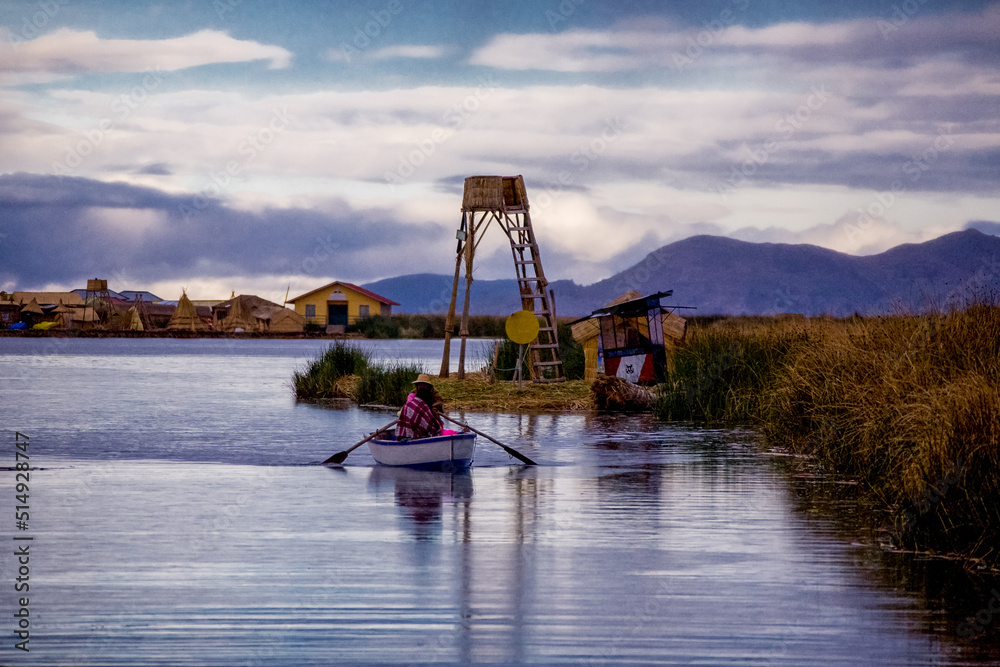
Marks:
<point>178,521</point>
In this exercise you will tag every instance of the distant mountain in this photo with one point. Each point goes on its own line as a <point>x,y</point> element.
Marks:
<point>719,275</point>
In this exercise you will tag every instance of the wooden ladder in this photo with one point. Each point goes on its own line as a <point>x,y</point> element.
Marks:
<point>546,366</point>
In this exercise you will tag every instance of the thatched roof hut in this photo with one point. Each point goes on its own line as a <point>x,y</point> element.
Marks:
<point>135,321</point>
<point>238,315</point>
<point>65,315</point>
<point>253,313</point>
<point>185,317</point>
<point>285,320</point>
<point>32,308</point>
<point>625,328</point>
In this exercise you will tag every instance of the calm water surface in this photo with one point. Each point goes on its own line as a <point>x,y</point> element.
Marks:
<point>179,518</point>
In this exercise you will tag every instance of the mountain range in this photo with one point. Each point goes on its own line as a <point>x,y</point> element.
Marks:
<point>723,276</point>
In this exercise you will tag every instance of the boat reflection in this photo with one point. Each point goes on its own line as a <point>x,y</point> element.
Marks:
<point>422,494</point>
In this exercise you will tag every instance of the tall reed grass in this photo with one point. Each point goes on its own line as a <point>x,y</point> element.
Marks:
<point>344,371</point>
<point>910,405</point>
<point>323,377</point>
<point>386,385</point>
<point>907,404</point>
<point>723,370</point>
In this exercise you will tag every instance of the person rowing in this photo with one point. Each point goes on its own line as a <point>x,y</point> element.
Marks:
<point>419,416</point>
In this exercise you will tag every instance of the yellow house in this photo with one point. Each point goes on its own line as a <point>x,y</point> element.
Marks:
<point>339,304</point>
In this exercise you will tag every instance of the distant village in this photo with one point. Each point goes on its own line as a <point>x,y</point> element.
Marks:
<point>326,310</point>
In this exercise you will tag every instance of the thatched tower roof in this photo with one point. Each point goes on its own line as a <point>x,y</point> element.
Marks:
<point>185,317</point>
<point>494,193</point>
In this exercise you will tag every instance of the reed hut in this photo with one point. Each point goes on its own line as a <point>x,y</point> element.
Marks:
<point>251,313</point>
<point>632,338</point>
<point>234,316</point>
<point>135,320</point>
<point>32,313</point>
<point>285,320</point>
<point>64,315</point>
<point>185,317</point>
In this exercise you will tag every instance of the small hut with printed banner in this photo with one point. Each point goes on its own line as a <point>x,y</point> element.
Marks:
<point>633,338</point>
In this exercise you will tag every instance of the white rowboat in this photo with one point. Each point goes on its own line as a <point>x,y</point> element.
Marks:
<point>443,452</point>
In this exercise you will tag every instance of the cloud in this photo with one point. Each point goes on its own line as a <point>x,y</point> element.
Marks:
<point>892,40</point>
<point>395,52</point>
<point>410,51</point>
<point>155,169</point>
<point>67,52</point>
<point>572,51</point>
<point>64,230</point>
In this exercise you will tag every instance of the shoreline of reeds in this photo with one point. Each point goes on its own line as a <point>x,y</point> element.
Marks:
<point>344,371</point>
<point>908,405</point>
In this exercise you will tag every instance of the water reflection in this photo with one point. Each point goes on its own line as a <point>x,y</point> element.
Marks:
<point>830,507</point>
<point>420,495</point>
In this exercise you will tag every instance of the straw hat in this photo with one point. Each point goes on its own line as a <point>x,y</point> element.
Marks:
<point>425,378</point>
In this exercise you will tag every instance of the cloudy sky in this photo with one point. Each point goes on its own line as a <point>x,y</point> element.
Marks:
<point>259,147</point>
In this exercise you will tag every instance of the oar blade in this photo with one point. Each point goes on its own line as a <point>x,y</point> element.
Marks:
<point>518,455</point>
<point>339,457</point>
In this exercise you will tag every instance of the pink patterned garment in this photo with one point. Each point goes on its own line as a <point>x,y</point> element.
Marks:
<point>417,420</point>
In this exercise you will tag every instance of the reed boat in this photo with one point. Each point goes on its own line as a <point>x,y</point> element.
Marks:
<point>450,451</point>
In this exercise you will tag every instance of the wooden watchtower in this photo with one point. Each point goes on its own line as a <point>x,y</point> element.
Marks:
<point>503,200</point>
<point>98,301</point>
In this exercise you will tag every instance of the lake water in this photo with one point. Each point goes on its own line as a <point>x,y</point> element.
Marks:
<point>178,517</point>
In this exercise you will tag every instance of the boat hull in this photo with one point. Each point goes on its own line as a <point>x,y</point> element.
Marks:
<point>444,452</point>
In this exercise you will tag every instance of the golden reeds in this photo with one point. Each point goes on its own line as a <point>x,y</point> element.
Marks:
<point>907,404</point>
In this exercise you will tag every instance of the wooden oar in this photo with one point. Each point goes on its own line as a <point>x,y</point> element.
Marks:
<point>340,456</point>
<point>510,450</point>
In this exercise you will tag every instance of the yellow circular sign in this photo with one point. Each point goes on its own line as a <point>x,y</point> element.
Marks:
<point>522,327</point>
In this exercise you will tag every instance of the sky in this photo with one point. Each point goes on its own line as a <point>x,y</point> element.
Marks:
<point>268,148</point>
